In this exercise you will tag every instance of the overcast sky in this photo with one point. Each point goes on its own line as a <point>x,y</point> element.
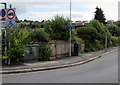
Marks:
<point>39,10</point>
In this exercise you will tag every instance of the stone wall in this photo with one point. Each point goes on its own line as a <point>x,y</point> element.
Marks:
<point>59,49</point>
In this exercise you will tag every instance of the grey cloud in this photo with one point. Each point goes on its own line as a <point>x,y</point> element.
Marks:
<point>20,6</point>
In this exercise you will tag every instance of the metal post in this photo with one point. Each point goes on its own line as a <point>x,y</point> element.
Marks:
<point>5,4</point>
<point>70,30</point>
<point>106,43</point>
<point>5,43</point>
<point>9,39</point>
<point>10,5</point>
<point>9,44</point>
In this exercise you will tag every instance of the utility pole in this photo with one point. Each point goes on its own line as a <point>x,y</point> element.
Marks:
<point>70,30</point>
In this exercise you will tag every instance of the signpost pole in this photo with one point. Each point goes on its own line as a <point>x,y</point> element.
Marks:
<point>9,38</point>
<point>106,42</point>
<point>70,30</point>
<point>5,48</point>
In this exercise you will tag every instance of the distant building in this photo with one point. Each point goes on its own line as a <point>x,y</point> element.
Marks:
<point>37,23</point>
<point>78,23</point>
<point>23,22</point>
<point>27,22</point>
<point>85,23</point>
<point>109,22</point>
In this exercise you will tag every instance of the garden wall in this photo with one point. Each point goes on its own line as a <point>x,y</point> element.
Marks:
<point>59,49</point>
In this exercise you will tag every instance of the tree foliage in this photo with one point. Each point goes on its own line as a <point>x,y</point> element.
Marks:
<point>114,30</point>
<point>89,35</point>
<point>115,40</point>
<point>44,52</point>
<point>74,36</point>
<point>94,35</point>
<point>99,15</point>
<point>18,40</point>
<point>101,29</point>
<point>58,28</point>
<point>39,35</point>
<point>96,24</point>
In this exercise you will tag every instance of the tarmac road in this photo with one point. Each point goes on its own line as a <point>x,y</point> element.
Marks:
<point>101,70</point>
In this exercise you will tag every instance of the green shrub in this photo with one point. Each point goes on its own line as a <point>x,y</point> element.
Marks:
<point>96,24</point>
<point>89,35</point>
<point>4,57</point>
<point>74,36</point>
<point>119,40</point>
<point>99,45</point>
<point>89,47</point>
<point>44,52</point>
<point>115,40</point>
<point>58,28</point>
<point>16,53</point>
<point>39,35</point>
<point>102,31</point>
<point>114,30</point>
<point>18,39</point>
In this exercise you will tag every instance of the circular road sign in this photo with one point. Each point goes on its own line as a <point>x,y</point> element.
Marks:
<point>2,12</point>
<point>11,13</point>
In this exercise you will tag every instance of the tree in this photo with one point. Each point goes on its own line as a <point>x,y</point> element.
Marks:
<point>89,35</point>
<point>101,29</point>
<point>58,28</point>
<point>99,15</point>
<point>96,24</point>
<point>39,35</point>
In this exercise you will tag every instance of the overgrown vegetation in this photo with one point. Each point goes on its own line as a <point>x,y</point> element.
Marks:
<point>115,40</point>
<point>17,39</point>
<point>58,28</point>
<point>44,52</point>
<point>95,35</point>
<point>74,36</point>
<point>39,35</point>
<point>114,30</point>
<point>89,35</point>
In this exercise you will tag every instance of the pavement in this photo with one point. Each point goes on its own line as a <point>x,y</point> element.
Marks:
<point>101,70</point>
<point>56,64</point>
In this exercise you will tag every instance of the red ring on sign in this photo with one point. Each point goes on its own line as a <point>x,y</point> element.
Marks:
<point>12,16</point>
